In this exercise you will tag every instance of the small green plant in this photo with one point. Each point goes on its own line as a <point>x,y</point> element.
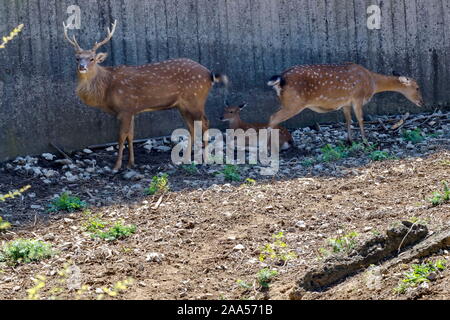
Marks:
<point>414,136</point>
<point>94,224</point>
<point>439,198</point>
<point>419,273</point>
<point>190,168</point>
<point>277,251</point>
<point>250,182</point>
<point>25,251</point>
<point>308,162</point>
<point>118,288</point>
<point>342,244</point>
<point>379,156</point>
<point>40,282</point>
<point>4,225</point>
<point>67,203</point>
<point>231,173</point>
<point>244,285</point>
<point>330,153</point>
<point>416,220</point>
<point>265,276</point>
<point>159,185</point>
<point>116,232</point>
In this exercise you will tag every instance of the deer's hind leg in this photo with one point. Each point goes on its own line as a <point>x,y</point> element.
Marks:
<point>358,109</point>
<point>130,139</point>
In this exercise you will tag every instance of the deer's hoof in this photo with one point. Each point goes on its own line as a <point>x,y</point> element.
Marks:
<point>115,171</point>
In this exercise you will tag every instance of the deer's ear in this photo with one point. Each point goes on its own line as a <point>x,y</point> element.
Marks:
<point>242,106</point>
<point>101,57</point>
<point>405,81</point>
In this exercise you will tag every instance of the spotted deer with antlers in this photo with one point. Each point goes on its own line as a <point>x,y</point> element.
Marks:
<point>125,91</point>
<point>326,88</point>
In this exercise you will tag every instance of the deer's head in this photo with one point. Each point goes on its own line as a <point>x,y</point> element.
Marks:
<point>411,90</point>
<point>232,113</point>
<point>87,59</point>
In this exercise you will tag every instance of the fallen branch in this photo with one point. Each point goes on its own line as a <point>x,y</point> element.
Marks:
<point>158,203</point>
<point>65,155</point>
<point>401,123</point>
<point>113,144</point>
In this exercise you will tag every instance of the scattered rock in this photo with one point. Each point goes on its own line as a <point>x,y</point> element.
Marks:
<point>48,156</point>
<point>155,257</point>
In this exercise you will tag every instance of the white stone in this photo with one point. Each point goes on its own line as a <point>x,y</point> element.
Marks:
<point>48,156</point>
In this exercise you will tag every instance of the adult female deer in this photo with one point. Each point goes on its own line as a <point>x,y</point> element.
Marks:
<point>325,88</point>
<point>125,91</point>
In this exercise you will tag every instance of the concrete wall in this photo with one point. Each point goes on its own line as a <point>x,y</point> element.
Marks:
<point>250,40</point>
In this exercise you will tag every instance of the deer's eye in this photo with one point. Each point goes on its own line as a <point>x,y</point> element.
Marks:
<point>92,59</point>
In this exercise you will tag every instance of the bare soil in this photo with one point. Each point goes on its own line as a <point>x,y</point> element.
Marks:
<point>208,233</point>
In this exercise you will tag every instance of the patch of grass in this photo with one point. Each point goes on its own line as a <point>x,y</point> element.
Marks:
<point>419,273</point>
<point>231,173</point>
<point>67,203</point>
<point>439,198</point>
<point>265,277</point>
<point>343,244</point>
<point>159,185</point>
<point>380,156</point>
<point>116,232</point>
<point>25,251</point>
<point>277,251</point>
<point>414,136</point>
<point>341,151</point>
<point>4,225</point>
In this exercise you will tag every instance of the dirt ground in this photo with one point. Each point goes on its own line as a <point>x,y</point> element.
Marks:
<point>206,234</point>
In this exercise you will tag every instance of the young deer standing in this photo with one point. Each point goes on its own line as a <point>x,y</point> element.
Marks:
<point>325,88</point>
<point>125,91</point>
<point>232,115</point>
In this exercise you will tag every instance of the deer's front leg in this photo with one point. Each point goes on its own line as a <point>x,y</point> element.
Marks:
<point>124,131</point>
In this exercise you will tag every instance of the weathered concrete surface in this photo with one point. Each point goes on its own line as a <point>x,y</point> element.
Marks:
<point>250,40</point>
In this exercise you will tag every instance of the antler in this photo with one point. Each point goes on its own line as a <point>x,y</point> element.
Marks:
<point>110,34</point>
<point>72,42</point>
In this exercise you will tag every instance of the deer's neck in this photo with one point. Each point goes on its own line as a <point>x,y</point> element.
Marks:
<point>386,83</point>
<point>92,86</point>
<point>236,123</point>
